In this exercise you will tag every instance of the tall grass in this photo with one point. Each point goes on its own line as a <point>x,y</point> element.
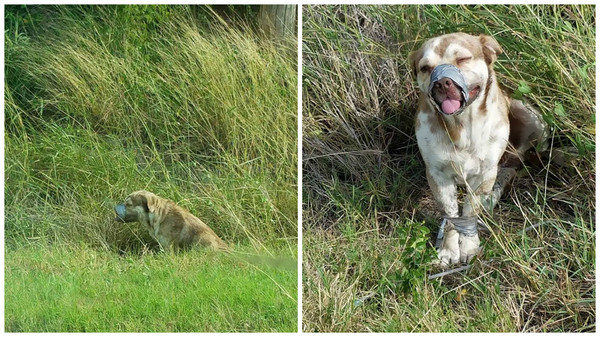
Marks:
<point>97,107</point>
<point>368,214</point>
<point>101,101</point>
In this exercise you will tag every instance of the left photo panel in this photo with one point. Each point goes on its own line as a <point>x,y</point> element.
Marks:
<point>151,168</point>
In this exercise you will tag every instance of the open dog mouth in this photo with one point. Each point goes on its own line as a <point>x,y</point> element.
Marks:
<point>455,105</point>
<point>448,90</point>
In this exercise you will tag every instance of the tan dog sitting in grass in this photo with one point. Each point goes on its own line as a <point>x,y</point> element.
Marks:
<point>170,225</point>
<point>463,127</point>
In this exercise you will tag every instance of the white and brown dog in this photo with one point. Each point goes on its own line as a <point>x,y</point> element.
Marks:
<point>463,126</point>
<point>172,226</point>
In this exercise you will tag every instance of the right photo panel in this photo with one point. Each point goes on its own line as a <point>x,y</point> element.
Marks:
<point>448,164</point>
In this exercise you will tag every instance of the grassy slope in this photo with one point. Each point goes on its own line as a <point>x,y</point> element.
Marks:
<point>368,215</point>
<point>102,101</point>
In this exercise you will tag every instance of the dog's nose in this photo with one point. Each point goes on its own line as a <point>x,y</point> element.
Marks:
<point>444,83</point>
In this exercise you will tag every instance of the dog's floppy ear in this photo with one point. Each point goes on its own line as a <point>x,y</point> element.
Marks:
<point>491,48</point>
<point>152,202</point>
<point>413,59</point>
<point>147,200</point>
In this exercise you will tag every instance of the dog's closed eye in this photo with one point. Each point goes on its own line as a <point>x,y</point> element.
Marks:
<point>463,59</point>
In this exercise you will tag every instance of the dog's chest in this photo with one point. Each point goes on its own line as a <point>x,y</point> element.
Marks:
<point>461,149</point>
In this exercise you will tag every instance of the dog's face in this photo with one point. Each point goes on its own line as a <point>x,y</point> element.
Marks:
<point>473,56</point>
<point>135,207</point>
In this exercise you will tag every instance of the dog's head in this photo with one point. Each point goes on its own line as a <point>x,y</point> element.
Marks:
<point>137,206</point>
<point>453,70</point>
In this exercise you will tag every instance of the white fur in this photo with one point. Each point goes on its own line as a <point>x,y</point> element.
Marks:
<point>471,160</point>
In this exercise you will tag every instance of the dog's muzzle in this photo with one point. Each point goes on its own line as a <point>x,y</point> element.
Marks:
<point>120,210</point>
<point>453,73</point>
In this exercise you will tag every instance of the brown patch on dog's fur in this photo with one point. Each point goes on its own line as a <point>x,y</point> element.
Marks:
<point>491,48</point>
<point>488,85</point>
<point>453,127</point>
<point>441,47</point>
<point>472,45</point>
<point>467,41</point>
<point>437,122</point>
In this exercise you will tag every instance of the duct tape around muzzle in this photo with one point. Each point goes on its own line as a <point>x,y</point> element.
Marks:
<point>453,73</point>
<point>120,210</point>
<point>464,225</point>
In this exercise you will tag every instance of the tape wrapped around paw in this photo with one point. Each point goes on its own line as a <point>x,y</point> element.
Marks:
<point>464,225</point>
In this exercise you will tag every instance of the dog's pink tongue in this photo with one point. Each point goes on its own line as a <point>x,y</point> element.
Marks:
<point>450,106</point>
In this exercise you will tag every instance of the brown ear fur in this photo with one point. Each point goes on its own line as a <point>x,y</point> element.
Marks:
<point>491,48</point>
<point>413,58</point>
<point>146,199</point>
<point>153,202</point>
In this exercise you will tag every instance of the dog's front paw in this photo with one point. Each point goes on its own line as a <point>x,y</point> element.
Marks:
<point>469,246</point>
<point>449,252</point>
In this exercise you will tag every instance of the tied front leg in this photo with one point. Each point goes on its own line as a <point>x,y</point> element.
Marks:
<point>468,237</point>
<point>458,240</point>
<point>482,196</point>
<point>444,191</point>
<point>484,199</point>
<point>447,244</point>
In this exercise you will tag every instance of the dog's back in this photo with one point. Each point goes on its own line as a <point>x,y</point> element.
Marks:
<point>195,231</point>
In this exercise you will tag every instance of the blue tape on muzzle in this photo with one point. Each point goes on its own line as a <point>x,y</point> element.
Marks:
<point>120,210</point>
<point>453,73</point>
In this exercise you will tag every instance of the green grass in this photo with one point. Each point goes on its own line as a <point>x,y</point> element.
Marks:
<point>368,216</point>
<point>101,101</point>
<point>77,288</point>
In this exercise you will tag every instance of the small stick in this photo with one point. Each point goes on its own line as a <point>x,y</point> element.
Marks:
<point>448,272</point>
<point>359,301</point>
<point>454,271</point>
<point>525,230</point>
